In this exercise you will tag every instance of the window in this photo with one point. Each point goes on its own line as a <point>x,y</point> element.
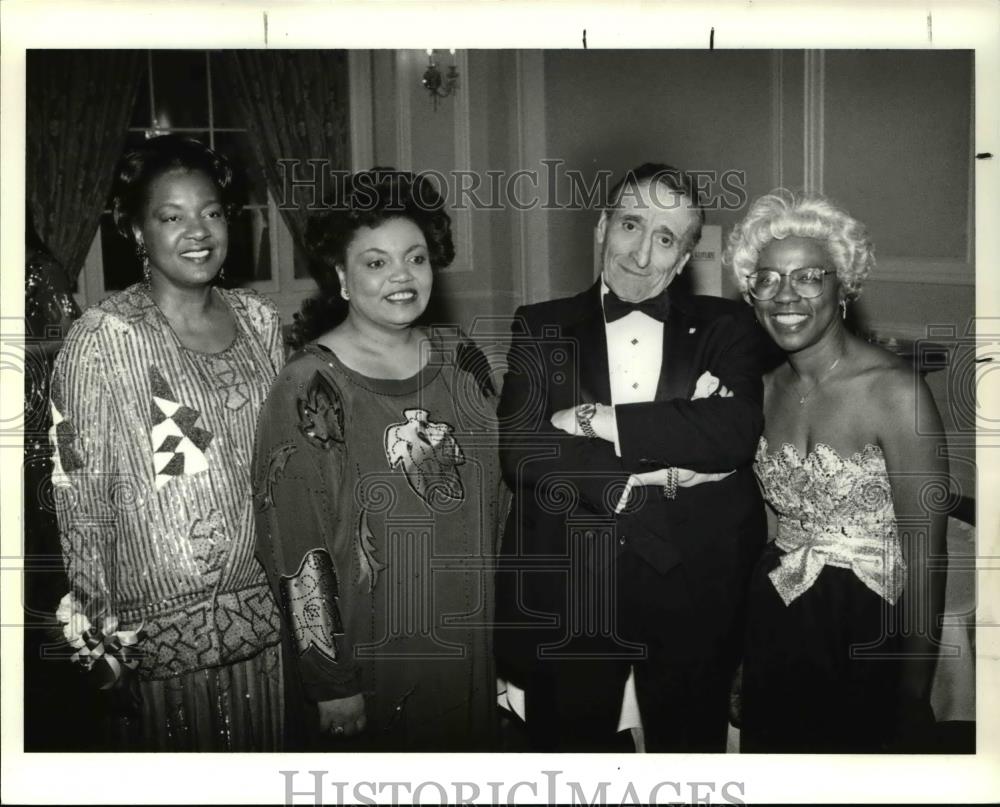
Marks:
<point>184,92</point>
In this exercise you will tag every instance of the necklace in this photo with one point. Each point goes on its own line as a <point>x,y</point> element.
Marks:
<point>820,380</point>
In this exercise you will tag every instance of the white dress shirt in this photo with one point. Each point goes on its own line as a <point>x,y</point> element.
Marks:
<point>635,358</point>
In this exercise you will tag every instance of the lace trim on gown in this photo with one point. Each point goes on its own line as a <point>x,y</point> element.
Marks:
<point>833,511</point>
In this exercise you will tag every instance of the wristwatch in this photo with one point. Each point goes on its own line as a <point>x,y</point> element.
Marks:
<point>584,414</point>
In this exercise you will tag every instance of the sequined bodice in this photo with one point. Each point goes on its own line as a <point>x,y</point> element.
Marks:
<point>831,510</point>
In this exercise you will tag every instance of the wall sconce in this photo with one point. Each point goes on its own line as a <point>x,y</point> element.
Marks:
<point>438,85</point>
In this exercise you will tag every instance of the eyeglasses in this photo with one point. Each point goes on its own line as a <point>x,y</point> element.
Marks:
<point>806,282</point>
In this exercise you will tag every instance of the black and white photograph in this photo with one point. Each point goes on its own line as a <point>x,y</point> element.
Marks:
<point>565,413</point>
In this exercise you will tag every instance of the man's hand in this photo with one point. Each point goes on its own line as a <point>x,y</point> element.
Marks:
<point>603,423</point>
<point>685,479</point>
<point>708,386</point>
<point>342,717</point>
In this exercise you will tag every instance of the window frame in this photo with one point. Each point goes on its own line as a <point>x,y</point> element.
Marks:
<point>286,290</point>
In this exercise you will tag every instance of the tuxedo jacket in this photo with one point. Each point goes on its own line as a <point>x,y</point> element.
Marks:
<point>566,487</point>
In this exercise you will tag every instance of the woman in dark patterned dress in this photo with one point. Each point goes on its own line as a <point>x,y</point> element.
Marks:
<point>155,398</point>
<point>375,478</point>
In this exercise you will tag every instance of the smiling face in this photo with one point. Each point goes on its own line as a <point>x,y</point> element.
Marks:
<point>645,240</point>
<point>795,322</point>
<point>387,274</point>
<point>183,229</point>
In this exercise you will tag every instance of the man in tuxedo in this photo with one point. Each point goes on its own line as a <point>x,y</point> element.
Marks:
<point>623,379</point>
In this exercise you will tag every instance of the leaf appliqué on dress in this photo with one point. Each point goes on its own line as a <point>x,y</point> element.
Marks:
<point>275,466</point>
<point>321,412</point>
<point>311,599</point>
<point>370,565</point>
<point>428,454</point>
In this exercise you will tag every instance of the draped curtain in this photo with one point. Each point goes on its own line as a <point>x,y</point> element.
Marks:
<point>295,107</point>
<point>78,108</point>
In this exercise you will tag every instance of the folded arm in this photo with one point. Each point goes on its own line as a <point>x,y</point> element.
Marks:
<point>535,453</point>
<point>708,435</point>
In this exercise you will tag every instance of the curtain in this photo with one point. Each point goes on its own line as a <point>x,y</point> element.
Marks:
<point>295,106</point>
<point>78,108</point>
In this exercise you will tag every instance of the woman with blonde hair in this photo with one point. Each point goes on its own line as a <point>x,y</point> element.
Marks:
<point>843,614</point>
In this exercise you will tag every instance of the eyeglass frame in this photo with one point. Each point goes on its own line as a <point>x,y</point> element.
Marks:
<point>791,279</point>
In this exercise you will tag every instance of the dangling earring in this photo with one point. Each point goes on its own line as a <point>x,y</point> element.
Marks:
<point>344,293</point>
<point>143,256</point>
<point>843,309</point>
<point>221,275</point>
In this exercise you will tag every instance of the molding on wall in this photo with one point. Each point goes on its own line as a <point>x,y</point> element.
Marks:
<point>404,133</point>
<point>813,107</point>
<point>532,225</point>
<point>906,331</point>
<point>937,271</point>
<point>478,294</point>
<point>970,205</point>
<point>777,120</point>
<point>463,160</point>
<point>362,121</point>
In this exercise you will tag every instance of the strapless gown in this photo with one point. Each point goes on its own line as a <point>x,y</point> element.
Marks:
<point>820,668</point>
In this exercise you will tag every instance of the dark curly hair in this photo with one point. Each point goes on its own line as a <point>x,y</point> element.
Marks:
<point>366,199</point>
<point>139,167</point>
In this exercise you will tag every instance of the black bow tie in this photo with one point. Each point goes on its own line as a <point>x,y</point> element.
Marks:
<point>616,308</point>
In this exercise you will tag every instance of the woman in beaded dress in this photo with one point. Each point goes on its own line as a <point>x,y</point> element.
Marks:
<point>155,398</point>
<point>851,447</point>
<point>375,478</point>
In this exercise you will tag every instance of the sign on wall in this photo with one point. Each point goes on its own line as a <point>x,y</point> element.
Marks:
<point>705,265</point>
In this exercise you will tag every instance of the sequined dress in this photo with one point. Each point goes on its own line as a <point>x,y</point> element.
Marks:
<point>377,521</point>
<point>151,472</point>
<point>819,670</point>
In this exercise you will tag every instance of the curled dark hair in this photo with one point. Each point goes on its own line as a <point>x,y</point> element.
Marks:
<point>142,165</point>
<point>366,199</point>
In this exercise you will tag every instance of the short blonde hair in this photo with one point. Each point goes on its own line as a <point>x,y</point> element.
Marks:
<point>782,214</point>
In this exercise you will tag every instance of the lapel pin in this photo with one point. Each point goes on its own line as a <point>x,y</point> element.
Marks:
<point>691,330</point>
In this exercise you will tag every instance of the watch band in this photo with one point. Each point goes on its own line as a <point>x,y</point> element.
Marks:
<point>584,414</point>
